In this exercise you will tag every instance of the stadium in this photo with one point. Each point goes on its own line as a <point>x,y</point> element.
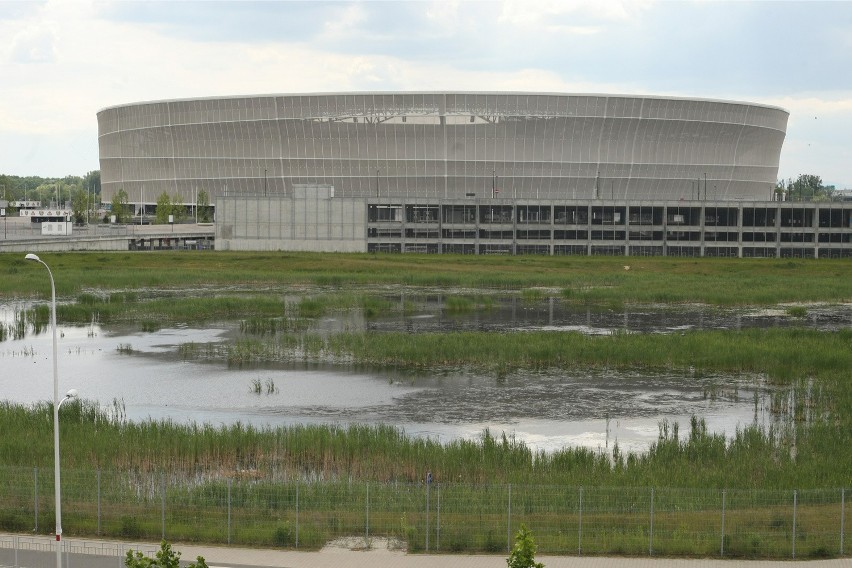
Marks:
<point>507,173</point>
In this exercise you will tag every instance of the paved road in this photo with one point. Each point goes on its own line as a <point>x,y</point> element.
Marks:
<point>109,554</point>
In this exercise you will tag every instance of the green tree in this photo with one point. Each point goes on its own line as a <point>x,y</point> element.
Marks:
<point>178,209</point>
<point>203,207</point>
<point>80,205</point>
<point>523,553</point>
<point>164,208</point>
<point>119,207</point>
<point>806,187</point>
<point>92,182</point>
<point>165,558</point>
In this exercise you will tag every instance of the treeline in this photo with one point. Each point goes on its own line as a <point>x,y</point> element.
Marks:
<point>83,193</point>
<point>806,187</point>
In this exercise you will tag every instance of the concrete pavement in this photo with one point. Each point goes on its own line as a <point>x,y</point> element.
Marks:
<point>92,553</point>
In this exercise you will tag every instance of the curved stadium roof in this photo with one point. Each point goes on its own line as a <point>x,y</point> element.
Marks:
<point>443,145</point>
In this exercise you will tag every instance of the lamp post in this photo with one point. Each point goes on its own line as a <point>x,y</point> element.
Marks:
<point>56,404</point>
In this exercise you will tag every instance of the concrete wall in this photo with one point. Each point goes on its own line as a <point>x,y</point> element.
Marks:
<point>284,223</point>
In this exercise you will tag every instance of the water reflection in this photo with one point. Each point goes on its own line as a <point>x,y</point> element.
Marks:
<point>507,314</point>
<point>545,410</point>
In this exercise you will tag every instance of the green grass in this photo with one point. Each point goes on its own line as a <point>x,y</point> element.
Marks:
<point>276,296</point>
<point>586,280</point>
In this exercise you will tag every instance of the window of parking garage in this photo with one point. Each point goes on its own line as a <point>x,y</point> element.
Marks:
<point>646,251</point>
<point>720,236</point>
<point>797,237</point>
<point>805,252</point>
<point>459,233</point>
<point>759,252</point>
<point>606,215</point>
<point>460,248</point>
<point>571,215</point>
<point>688,216</point>
<point>501,235</point>
<point>720,216</point>
<point>421,233</point>
<point>568,250</point>
<point>421,213</point>
<point>831,218</point>
<point>570,235</point>
<point>533,249</point>
<point>640,215</point>
<point>533,234</point>
<point>758,217</point>
<point>534,214</point>
<point>797,218</point>
<point>384,247</point>
<point>834,237</point>
<point>835,253</point>
<point>608,235</point>
<point>384,233</point>
<point>384,213</point>
<point>683,235</point>
<point>495,214</point>
<point>431,248</point>
<point>646,235</point>
<point>730,252</point>
<point>459,214</point>
<point>683,251</point>
<point>758,237</point>
<point>495,249</point>
<point>608,250</point>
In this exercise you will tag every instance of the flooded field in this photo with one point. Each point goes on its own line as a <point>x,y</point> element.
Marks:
<point>547,410</point>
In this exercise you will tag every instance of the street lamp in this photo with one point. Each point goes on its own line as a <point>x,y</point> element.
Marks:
<point>56,404</point>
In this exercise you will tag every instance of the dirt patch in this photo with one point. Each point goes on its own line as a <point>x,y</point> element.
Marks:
<point>363,544</point>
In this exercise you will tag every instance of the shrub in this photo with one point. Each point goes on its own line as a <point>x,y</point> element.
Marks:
<point>523,553</point>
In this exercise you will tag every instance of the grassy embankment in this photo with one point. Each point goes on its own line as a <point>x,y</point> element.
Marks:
<point>583,279</point>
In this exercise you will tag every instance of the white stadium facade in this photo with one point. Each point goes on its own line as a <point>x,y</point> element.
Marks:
<point>473,173</point>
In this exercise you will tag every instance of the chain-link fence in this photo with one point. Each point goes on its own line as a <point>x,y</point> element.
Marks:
<point>18,551</point>
<point>432,517</point>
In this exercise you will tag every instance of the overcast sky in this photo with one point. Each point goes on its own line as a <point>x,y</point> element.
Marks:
<point>62,61</point>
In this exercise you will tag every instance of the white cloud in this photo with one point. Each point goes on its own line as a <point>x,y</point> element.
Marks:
<point>542,12</point>
<point>346,22</point>
<point>36,44</point>
<point>66,60</point>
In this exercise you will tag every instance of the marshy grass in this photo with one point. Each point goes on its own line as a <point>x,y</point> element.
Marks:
<point>797,311</point>
<point>93,436</point>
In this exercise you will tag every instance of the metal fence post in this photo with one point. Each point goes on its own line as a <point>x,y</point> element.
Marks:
<point>35,486</point>
<point>438,520</point>
<point>163,504</point>
<point>509,523</point>
<point>795,502</point>
<point>367,518</point>
<point>297,514</point>
<point>580,527</point>
<point>722,547</point>
<point>842,517</point>
<point>427,516</point>
<point>651,533</point>
<point>229,510</point>
<point>99,501</point>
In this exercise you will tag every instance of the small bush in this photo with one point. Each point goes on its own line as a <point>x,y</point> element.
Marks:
<point>284,536</point>
<point>130,528</point>
<point>523,553</point>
